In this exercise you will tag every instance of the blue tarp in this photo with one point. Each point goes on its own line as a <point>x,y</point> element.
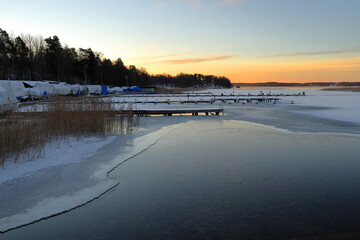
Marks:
<point>133,89</point>
<point>104,90</point>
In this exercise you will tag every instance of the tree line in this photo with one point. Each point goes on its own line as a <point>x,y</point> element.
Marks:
<point>29,57</point>
<point>184,80</point>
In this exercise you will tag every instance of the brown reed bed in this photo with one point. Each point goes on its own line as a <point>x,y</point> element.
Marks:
<point>25,133</point>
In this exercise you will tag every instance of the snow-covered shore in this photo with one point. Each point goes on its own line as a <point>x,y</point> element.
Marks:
<point>74,172</point>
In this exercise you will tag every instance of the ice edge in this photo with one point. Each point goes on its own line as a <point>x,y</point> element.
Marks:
<point>13,225</point>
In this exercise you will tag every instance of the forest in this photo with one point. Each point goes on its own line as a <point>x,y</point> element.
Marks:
<point>28,57</point>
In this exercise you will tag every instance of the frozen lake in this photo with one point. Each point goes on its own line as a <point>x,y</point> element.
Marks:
<point>236,176</point>
<point>220,179</point>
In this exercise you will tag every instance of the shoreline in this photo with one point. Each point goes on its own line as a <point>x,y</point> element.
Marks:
<point>279,116</point>
<point>346,89</point>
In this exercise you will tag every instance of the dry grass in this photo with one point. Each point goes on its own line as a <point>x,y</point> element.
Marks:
<point>26,133</point>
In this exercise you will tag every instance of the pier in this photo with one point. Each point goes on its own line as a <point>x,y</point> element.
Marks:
<point>170,112</point>
<point>209,94</point>
<point>208,101</point>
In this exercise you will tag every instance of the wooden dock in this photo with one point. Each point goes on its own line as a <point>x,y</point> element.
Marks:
<point>209,101</point>
<point>170,112</point>
<point>209,94</point>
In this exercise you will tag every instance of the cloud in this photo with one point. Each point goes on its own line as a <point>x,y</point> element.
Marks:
<point>191,3</point>
<point>231,2</point>
<point>164,56</point>
<point>344,50</point>
<point>205,58</point>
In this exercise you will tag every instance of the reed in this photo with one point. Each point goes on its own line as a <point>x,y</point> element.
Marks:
<point>26,133</point>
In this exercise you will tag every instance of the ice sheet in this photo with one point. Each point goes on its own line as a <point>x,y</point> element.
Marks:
<point>54,154</point>
<point>82,177</point>
<point>75,172</point>
<point>335,105</point>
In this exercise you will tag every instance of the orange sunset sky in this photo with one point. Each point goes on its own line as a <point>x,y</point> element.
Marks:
<point>244,40</point>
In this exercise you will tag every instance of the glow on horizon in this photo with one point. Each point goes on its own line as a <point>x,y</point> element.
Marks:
<point>245,40</point>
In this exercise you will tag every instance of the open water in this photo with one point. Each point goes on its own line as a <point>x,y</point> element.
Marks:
<point>223,179</point>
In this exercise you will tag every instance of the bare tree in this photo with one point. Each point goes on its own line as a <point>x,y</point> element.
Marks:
<point>39,59</point>
<point>29,40</point>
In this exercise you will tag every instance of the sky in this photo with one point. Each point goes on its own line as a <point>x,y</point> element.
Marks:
<point>244,40</point>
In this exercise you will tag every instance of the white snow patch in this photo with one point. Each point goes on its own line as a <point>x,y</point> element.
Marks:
<point>53,206</point>
<point>340,105</point>
<point>55,154</point>
<point>73,151</point>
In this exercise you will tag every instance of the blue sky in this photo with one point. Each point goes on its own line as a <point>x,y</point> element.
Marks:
<point>245,40</point>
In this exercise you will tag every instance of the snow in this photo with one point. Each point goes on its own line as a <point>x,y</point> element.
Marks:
<point>116,90</point>
<point>341,106</point>
<point>60,89</point>
<point>69,151</point>
<point>17,87</point>
<point>53,206</point>
<point>94,89</point>
<point>7,99</point>
<point>43,87</point>
<point>334,105</point>
<point>71,173</point>
<point>7,96</point>
<point>88,155</point>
